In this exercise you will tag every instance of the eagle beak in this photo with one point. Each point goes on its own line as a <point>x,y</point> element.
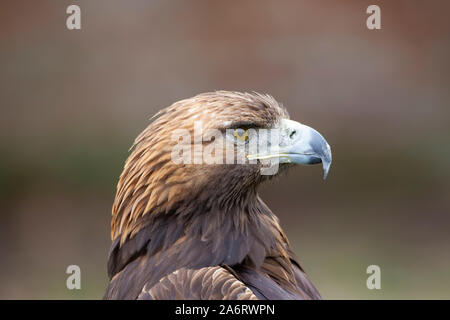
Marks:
<point>299,144</point>
<point>304,145</point>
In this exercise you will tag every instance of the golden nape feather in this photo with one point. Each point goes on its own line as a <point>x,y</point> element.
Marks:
<point>187,221</point>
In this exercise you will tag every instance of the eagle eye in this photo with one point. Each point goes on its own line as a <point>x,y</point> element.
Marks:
<point>240,134</point>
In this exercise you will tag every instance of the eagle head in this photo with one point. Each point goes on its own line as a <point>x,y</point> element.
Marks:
<point>200,160</point>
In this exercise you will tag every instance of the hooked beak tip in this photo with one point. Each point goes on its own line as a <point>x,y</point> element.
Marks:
<point>326,169</point>
<point>326,161</point>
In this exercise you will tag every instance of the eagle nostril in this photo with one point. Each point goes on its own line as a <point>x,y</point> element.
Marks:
<point>293,133</point>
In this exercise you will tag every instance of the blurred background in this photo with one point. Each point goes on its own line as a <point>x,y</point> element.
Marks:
<point>72,103</point>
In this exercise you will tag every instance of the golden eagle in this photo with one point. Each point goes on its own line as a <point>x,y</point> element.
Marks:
<point>198,229</point>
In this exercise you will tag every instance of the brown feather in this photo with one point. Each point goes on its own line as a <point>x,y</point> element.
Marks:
<point>199,231</point>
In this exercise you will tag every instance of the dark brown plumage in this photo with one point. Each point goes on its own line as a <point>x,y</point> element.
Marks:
<point>198,231</point>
